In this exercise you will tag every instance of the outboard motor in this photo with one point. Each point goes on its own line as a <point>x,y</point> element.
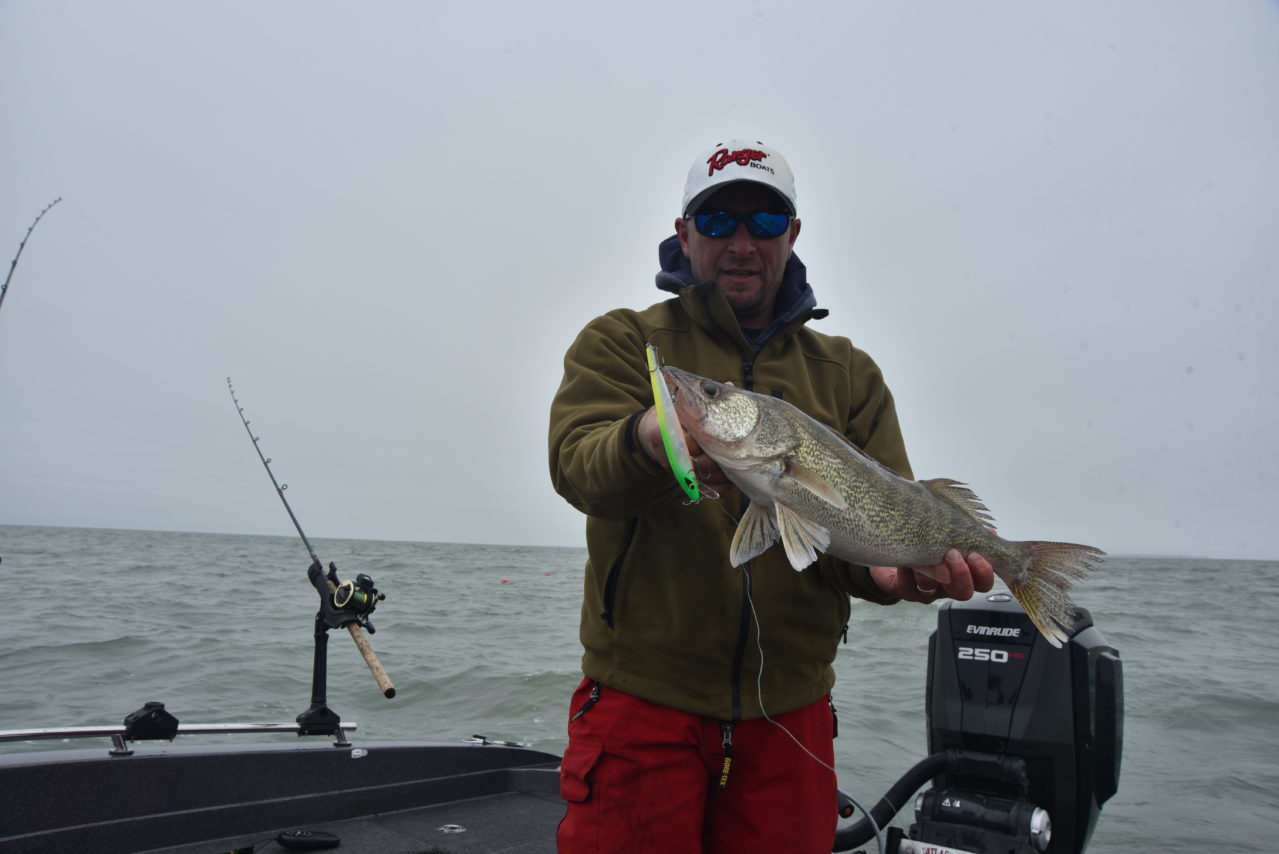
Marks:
<point>1032,733</point>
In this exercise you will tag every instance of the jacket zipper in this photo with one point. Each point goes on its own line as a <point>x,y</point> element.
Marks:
<point>590,701</point>
<point>743,635</point>
<point>726,742</point>
<point>744,623</point>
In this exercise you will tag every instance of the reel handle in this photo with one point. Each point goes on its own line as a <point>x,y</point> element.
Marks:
<point>370,658</point>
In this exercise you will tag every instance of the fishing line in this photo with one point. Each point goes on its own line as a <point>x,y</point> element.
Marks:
<point>759,696</point>
<point>759,688</point>
<point>759,675</point>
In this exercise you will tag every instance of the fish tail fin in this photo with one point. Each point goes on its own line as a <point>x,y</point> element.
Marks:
<point>1043,587</point>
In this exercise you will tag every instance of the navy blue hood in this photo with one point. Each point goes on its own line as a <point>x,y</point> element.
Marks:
<point>795,298</point>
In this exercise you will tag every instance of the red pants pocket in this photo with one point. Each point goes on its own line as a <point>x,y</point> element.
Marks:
<point>580,758</point>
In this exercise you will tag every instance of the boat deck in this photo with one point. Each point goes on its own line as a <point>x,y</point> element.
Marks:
<point>382,798</point>
<point>508,823</point>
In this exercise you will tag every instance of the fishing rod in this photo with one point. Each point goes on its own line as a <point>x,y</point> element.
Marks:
<point>347,604</point>
<point>13,265</point>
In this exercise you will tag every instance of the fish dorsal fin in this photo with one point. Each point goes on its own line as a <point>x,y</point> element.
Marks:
<point>814,483</point>
<point>755,533</point>
<point>801,538</point>
<point>955,493</point>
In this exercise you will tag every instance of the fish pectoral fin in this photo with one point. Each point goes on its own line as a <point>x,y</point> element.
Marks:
<point>801,538</point>
<point>755,533</point>
<point>814,483</point>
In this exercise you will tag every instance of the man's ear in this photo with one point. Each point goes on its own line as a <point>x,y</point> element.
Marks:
<point>681,230</point>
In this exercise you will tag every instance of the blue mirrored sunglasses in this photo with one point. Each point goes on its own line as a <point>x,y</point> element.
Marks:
<point>723,223</point>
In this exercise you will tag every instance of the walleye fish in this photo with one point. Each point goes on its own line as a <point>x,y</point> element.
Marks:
<point>815,491</point>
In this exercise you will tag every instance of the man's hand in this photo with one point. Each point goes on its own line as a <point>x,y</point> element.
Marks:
<point>708,472</point>
<point>962,577</point>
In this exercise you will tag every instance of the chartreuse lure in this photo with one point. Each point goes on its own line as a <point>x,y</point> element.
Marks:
<point>672,434</point>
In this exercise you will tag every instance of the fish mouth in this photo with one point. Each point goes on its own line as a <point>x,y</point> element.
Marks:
<point>685,404</point>
<point>679,401</point>
<point>672,381</point>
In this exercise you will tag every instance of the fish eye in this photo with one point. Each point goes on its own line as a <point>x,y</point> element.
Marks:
<point>710,389</point>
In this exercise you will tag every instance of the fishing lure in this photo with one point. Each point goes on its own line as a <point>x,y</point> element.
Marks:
<point>672,434</point>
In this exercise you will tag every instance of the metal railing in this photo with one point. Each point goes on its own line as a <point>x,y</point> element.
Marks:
<point>119,740</point>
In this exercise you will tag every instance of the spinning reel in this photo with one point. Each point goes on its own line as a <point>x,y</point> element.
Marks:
<point>345,602</point>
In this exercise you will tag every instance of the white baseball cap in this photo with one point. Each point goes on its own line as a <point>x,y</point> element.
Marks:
<point>738,160</point>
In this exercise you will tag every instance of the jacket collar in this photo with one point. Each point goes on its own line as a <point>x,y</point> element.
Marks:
<point>795,304</point>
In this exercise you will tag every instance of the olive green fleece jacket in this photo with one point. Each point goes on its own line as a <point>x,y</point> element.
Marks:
<point>664,616</point>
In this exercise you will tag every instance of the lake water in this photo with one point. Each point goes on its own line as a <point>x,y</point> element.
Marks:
<point>482,639</point>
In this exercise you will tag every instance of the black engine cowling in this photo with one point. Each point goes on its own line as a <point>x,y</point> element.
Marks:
<point>1027,726</point>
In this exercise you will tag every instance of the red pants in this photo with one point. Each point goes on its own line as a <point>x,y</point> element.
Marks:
<point>639,777</point>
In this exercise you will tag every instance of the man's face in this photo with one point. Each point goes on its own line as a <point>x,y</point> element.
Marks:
<point>746,269</point>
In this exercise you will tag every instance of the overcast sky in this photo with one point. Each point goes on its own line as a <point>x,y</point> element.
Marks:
<point>1054,225</point>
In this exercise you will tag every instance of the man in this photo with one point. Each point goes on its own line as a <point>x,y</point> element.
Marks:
<point>704,722</point>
